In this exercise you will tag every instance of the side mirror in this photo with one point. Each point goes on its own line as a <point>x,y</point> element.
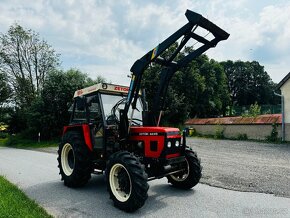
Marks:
<point>80,103</point>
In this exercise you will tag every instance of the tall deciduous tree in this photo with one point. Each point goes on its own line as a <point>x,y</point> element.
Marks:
<point>5,91</point>
<point>5,94</point>
<point>199,89</point>
<point>49,111</point>
<point>215,97</point>
<point>26,59</point>
<point>248,83</point>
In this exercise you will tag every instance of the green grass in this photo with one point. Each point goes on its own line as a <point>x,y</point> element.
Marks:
<point>3,141</point>
<point>19,142</point>
<point>14,203</point>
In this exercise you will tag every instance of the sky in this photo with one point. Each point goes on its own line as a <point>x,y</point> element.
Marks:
<point>106,37</point>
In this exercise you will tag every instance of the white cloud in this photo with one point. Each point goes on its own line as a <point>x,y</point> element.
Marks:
<point>263,37</point>
<point>108,36</point>
<point>274,26</point>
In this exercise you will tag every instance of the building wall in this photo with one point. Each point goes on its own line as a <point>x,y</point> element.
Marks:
<point>253,131</point>
<point>285,89</point>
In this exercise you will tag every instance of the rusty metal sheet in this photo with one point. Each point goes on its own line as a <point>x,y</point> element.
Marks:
<point>261,119</point>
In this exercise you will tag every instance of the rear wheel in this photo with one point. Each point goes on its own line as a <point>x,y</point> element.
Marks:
<point>190,176</point>
<point>126,181</point>
<point>74,160</point>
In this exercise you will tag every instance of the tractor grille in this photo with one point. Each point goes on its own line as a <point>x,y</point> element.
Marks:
<point>173,149</point>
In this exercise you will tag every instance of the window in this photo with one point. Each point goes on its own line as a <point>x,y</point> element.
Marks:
<point>79,115</point>
<point>112,104</point>
<point>95,114</point>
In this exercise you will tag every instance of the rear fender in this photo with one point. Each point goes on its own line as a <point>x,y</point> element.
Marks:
<point>85,128</point>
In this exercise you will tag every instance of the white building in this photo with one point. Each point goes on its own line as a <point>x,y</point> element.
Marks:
<point>284,86</point>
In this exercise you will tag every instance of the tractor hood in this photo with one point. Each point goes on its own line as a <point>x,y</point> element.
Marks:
<point>153,131</point>
<point>158,142</point>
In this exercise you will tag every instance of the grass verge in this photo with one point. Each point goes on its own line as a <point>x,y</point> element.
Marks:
<point>3,141</point>
<point>19,142</point>
<point>14,203</point>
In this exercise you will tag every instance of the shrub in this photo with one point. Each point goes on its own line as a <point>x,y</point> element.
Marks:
<point>219,132</point>
<point>254,111</point>
<point>273,137</point>
<point>242,137</point>
<point>3,135</point>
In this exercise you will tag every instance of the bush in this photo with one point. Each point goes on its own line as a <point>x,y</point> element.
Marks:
<point>219,132</point>
<point>273,137</point>
<point>254,111</point>
<point>3,135</point>
<point>242,137</point>
<point>12,140</point>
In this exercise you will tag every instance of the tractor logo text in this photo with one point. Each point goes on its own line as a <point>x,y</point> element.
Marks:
<point>79,92</point>
<point>123,89</point>
<point>148,134</point>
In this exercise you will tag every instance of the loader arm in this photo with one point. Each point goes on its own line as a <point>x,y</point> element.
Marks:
<point>168,66</point>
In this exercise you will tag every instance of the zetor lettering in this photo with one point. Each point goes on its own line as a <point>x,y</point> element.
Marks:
<point>119,88</point>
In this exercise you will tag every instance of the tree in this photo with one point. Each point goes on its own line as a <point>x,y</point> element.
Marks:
<point>49,112</point>
<point>5,94</point>
<point>4,89</point>
<point>248,83</point>
<point>197,90</point>
<point>26,60</point>
<point>215,97</point>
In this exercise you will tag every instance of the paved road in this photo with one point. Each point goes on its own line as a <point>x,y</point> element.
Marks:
<point>244,165</point>
<point>36,173</point>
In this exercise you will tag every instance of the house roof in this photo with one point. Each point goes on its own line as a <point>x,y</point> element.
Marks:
<point>283,81</point>
<point>261,119</point>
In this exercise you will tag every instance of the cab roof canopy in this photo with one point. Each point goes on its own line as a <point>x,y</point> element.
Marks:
<point>102,87</point>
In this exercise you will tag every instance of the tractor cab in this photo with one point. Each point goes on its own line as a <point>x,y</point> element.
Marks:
<point>97,109</point>
<point>101,103</point>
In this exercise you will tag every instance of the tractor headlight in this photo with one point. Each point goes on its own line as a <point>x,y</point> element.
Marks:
<point>140,145</point>
<point>169,144</point>
<point>177,143</point>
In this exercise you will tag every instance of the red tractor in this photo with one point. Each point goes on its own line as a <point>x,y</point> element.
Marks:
<point>111,129</point>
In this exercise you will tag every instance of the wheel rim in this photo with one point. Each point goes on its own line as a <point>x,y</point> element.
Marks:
<point>67,159</point>
<point>179,177</point>
<point>120,182</point>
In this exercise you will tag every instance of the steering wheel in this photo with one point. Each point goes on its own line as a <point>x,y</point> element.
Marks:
<point>112,120</point>
<point>135,121</point>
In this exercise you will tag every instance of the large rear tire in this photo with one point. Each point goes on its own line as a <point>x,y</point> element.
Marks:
<point>126,181</point>
<point>74,160</point>
<point>191,174</point>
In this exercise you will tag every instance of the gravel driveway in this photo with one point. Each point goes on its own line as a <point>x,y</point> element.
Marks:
<point>244,165</point>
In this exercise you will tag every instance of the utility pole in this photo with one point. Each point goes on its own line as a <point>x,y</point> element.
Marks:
<point>283,115</point>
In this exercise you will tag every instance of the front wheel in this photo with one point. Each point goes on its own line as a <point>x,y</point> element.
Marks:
<point>190,176</point>
<point>126,181</point>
